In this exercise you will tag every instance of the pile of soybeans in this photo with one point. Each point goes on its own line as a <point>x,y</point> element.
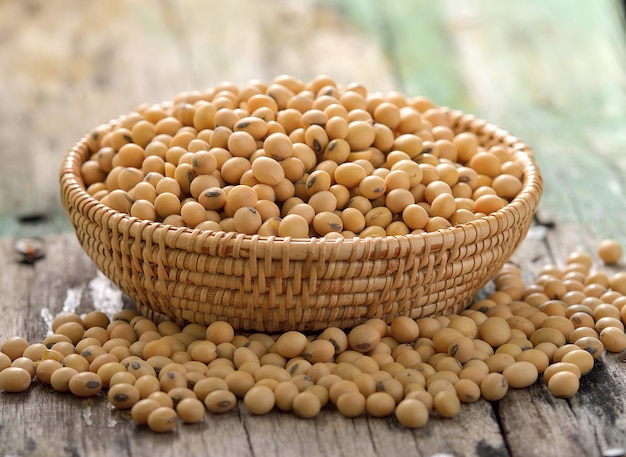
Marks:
<point>550,331</point>
<point>299,160</point>
<point>306,160</point>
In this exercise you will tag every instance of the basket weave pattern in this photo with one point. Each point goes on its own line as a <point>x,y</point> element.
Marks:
<point>276,284</point>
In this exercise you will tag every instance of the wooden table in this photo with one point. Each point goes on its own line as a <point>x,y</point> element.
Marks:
<point>551,72</point>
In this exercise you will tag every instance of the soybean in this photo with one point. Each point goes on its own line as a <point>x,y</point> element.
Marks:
<point>14,379</point>
<point>162,419</point>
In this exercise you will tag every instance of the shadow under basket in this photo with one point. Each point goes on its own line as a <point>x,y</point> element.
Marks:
<point>274,284</point>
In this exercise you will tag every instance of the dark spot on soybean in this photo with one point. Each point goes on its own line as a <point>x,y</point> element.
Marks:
<point>128,138</point>
<point>380,386</point>
<point>363,346</point>
<point>243,124</point>
<point>317,147</point>
<point>135,365</point>
<point>335,226</point>
<point>224,403</point>
<point>334,343</point>
<point>311,182</point>
<point>295,366</point>
<point>93,384</point>
<point>332,145</point>
<point>120,397</point>
<point>176,399</point>
<point>591,350</point>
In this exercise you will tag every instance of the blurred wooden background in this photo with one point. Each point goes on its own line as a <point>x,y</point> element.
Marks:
<point>550,72</point>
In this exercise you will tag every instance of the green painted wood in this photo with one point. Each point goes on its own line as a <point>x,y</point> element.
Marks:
<point>417,43</point>
<point>554,76</point>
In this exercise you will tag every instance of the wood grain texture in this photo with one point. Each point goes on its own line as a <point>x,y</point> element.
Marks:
<point>552,74</point>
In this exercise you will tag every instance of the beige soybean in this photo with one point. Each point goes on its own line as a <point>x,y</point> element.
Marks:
<point>60,378</point>
<point>123,396</point>
<point>86,384</point>
<point>380,404</point>
<point>447,403</point>
<point>494,386</point>
<point>468,390</point>
<point>581,358</point>
<point>285,393</point>
<point>363,337</point>
<point>267,170</point>
<point>220,401</point>
<point>162,419</point>
<point>351,404</point>
<point>14,347</point>
<point>259,400</point>
<point>15,379</point>
<point>45,369</point>
<point>404,329</point>
<point>412,413</point>
<point>613,339</point>
<point>521,374</point>
<point>307,404</point>
<point>190,410</point>
<point>610,251</point>
<point>142,409</point>
<point>563,384</point>
<point>291,344</point>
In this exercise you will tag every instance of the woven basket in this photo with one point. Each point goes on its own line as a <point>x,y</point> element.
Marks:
<point>276,284</point>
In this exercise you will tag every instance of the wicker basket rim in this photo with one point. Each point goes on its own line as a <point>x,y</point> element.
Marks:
<point>225,244</point>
